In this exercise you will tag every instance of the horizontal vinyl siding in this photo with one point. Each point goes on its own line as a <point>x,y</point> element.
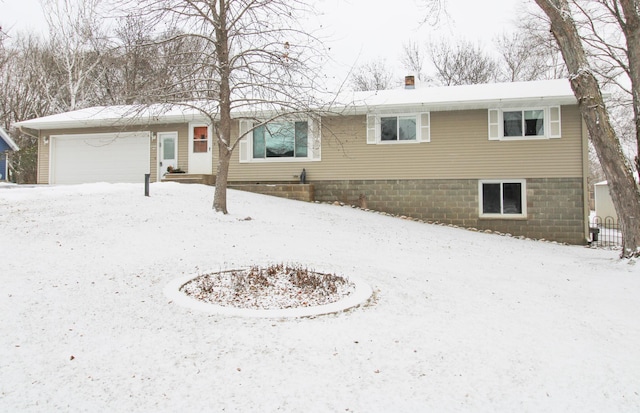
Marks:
<point>43,163</point>
<point>153,159</point>
<point>183,146</point>
<point>256,172</point>
<point>459,149</point>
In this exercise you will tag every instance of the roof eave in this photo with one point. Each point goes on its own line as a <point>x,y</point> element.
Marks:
<point>465,105</point>
<point>109,122</point>
<point>5,137</point>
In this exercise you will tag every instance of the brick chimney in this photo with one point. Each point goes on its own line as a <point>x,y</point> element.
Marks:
<point>409,82</point>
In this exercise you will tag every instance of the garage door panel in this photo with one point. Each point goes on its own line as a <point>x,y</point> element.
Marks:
<point>114,158</point>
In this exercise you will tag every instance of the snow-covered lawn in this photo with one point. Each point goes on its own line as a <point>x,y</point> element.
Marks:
<point>461,321</point>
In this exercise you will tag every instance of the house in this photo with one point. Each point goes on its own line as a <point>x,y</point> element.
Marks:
<point>6,145</point>
<point>506,157</point>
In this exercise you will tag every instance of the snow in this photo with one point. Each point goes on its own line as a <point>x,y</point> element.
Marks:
<point>483,96</point>
<point>459,320</point>
<point>116,115</point>
<point>480,96</point>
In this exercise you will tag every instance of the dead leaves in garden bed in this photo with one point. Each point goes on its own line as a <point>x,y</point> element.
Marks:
<point>277,286</point>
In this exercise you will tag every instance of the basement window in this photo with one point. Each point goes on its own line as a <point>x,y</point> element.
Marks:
<point>502,198</point>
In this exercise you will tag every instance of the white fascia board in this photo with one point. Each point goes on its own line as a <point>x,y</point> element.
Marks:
<point>106,116</point>
<point>36,124</point>
<point>499,95</point>
<point>461,105</point>
<point>5,137</point>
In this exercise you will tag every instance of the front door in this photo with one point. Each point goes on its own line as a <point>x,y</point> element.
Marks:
<point>200,160</point>
<point>167,152</point>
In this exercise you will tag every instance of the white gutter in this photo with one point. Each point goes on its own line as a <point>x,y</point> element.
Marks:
<point>542,93</point>
<point>5,136</point>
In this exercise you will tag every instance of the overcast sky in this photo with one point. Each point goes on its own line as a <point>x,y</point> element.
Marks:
<point>360,31</point>
<point>364,32</point>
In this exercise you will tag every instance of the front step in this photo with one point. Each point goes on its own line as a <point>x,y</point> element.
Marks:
<point>205,179</point>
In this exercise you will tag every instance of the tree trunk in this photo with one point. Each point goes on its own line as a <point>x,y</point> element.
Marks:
<point>622,185</point>
<point>222,175</point>
<point>631,29</point>
<point>223,131</point>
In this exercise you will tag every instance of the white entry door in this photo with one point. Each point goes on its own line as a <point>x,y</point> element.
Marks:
<point>167,152</point>
<point>200,143</point>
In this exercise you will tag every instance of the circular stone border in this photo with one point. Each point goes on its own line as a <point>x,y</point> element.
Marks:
<point>361,294</point>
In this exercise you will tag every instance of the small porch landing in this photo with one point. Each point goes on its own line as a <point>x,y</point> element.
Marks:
<point>205,179</point>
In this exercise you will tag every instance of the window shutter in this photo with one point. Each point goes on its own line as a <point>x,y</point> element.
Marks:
<point>555,126</point>
<point>315,138</point>
<point>425,127</point>
<point>373,129</point>
<point>245,127</point>
<point>494,124</point>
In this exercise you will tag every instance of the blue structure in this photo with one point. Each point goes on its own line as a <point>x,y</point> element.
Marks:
<point>6,145</point>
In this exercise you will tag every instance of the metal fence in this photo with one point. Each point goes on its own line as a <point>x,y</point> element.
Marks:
<point>605,232</point>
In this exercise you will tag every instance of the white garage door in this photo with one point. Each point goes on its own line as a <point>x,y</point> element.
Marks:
<point>104,157</point>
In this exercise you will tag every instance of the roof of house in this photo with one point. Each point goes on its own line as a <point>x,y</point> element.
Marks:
<point>503,95</point>
<point>118,115</point>
<point>5,137</point>
<point>557,91</point>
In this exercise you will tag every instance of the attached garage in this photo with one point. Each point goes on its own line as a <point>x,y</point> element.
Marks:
<point>103,157</point>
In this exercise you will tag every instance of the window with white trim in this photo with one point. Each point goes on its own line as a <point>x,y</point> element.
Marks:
<point>527,123</point>
<point>200,139</point>
<point>502,198</point>
<point>401,128</point>
<point>280,141</point>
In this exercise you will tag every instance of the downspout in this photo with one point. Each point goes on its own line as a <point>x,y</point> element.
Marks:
<point>585,178</point>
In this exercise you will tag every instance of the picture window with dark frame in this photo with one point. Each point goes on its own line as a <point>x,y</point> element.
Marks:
<point>281,140</point>
<point>502,198</point>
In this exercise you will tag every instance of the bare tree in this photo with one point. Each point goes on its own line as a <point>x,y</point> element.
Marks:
<point>432,10</point>
<point>608,42</point>
<point>74,28</point>
<point>462,64</point>
<point>42,77</point>
<point>374,75</point>
<point>130,66</point>
<point>413,60</point>
<point>48,76</point>
<point>23,95</point>
<point>3,51</point>
<point>616,58</point>
<point>624,190</point>
<point>255,56</point>
<point>5,57</point>
<point>525,56</point>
